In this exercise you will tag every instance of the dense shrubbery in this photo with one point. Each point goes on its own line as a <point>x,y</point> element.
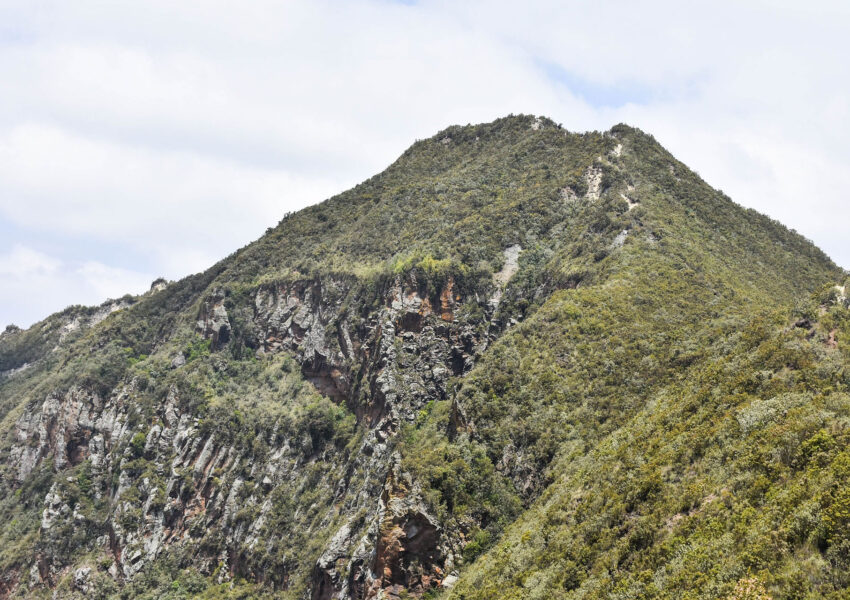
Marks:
<point>736,466</point>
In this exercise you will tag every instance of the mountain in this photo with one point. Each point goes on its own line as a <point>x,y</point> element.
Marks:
<point>519,363</point>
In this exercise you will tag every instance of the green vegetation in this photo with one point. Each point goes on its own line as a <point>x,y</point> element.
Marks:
<point>682,479</point>
<point>658,406</point>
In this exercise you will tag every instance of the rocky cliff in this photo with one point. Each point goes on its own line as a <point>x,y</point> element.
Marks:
<point>170,482</point>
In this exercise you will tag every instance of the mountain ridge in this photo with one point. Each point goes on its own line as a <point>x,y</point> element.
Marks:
<point>364,401</point>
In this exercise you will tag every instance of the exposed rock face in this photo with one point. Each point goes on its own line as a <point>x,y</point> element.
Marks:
<point>409,555</point>
<point>158,285</point>
<point>507,271</point>
<point>403,353</point>
<point>70,428</point>
<point>841,294</point>
<point>103,311</point>
<point>213,322</point>
<point>15,371</point>
<point>403,550</point>
<point>386,367</point>
<point>206,494</point>
<point>81,579</point>
<point>593,177</point>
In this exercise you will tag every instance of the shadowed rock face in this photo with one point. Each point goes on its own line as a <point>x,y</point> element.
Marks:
<point>213,323</point>
<point>408,555</point>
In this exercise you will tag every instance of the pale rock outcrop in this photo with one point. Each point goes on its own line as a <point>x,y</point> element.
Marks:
<point>81,579</point>
<point>503,276</point>
<point>593,178</point>
<point>69,427</point>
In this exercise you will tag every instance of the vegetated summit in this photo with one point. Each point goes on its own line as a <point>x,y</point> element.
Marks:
<point>519,363</point>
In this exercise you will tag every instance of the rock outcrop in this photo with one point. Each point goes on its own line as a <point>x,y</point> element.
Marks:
<point>169,483</point>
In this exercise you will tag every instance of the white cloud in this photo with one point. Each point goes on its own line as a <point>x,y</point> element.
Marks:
<point>36,284</point>
<point>180,131</point>
<point>22,262</point>
<point>109,282</point>
<point>61,182</point>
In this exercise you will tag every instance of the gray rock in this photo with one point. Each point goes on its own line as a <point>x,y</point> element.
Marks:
<point>81,579</point>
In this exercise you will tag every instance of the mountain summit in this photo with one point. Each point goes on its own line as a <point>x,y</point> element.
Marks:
<point>519,363</point>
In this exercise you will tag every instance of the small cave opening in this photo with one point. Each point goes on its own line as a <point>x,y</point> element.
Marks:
<point>76,447</point>
<point>458,362</point>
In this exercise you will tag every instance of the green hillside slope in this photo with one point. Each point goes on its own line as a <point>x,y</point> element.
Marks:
<point>520,362</point>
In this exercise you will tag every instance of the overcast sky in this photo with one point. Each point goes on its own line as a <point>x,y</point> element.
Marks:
<point>147,139</point>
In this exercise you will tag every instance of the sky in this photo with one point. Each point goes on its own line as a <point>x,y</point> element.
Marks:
<point>140,140</point>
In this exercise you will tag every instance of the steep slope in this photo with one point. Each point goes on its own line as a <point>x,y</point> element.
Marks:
<point>731,474</point>
<point>393,387</point>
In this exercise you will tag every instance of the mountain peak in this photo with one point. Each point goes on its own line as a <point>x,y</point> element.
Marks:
<point>519,362</point>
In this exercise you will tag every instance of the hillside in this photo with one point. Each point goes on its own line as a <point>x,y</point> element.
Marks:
<point>519,363</point>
